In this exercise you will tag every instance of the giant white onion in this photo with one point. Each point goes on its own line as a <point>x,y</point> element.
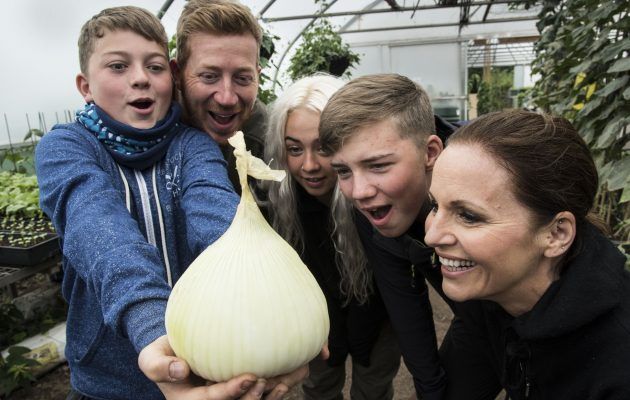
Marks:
<point>247,303</point>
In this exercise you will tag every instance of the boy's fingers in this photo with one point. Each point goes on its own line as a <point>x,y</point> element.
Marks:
<point>325,353</point>
<point>278,392</point>
<point>244,387</point>
<point>285,382</point>
<point>158,363</point>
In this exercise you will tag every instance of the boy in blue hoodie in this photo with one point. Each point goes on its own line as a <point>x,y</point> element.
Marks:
<point>135,196</point>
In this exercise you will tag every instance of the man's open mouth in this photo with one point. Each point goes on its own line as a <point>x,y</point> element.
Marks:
<point>223,119</point>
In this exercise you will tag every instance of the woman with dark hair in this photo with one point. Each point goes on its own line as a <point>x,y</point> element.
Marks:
<point>541,295</point>
<point>307,211</point>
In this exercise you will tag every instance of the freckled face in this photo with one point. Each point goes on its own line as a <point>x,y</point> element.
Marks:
<point>307,163</point>
<point>484,237</point>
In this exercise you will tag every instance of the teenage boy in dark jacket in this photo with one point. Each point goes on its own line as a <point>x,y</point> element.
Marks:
<point>381,131</point>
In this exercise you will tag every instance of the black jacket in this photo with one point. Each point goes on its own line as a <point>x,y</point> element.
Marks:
<point>397,264</point>
<point>354,328</point>
<point>574,343</point>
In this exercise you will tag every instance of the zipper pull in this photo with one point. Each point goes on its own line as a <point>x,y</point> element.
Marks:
<point>413,276</point>
<point>527,387</point>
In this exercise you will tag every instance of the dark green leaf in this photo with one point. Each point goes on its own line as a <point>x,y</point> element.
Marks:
<point>619,177</point>
<point>590,106</point>
<point>620,65</point>
<point>604,172</point>
<point>610,132</point>
<point>616,84</point>
<point>581,67</point>
<point>613,49</point>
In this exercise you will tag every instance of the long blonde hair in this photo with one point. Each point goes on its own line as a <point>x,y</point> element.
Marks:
<point>312,93</point>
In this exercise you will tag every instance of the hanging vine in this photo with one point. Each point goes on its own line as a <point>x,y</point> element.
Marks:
<point>582,59</point>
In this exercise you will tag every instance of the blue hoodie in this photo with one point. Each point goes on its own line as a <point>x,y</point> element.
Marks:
<point>127,235</point>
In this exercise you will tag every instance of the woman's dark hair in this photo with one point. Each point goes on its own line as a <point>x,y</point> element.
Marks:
<point>551,166</point>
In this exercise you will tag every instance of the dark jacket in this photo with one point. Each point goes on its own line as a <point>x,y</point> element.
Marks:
<point>574,343</point>
<point>354,328</point>
<point>397,264</point>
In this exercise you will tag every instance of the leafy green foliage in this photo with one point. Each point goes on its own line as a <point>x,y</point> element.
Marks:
<point>267,49</point>
<point>19,194</point>
<point>15,370</point>
<point>493,94</point>
<point>582,58</point>
<point>321,47</point>
<point>18,158</point>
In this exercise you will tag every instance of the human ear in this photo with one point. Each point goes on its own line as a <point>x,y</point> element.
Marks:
<point>560,234</point>
<point>175,71</point>
<point>433,147</point>
<point>83,85</point>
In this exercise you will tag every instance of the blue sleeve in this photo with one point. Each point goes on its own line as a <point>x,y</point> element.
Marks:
<point>101,240</point>
<point>208,198</point>
<point>406,299</point>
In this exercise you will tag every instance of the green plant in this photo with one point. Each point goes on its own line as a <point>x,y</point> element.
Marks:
<point>267,49</point>
<point>582,59</point>
<point>321,50</point>
<point>16,370</point>
<point>474,81</point>
<point>493,94</point>
<point>11,325</point>
<point>19,158</point>
<point>19,194</point>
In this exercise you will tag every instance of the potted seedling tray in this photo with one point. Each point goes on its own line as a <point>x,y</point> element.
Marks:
<point>29,250</point>
<point>26,241</point>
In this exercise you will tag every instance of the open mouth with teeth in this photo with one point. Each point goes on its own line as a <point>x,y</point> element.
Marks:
<point>457,265</point>
<point>379,212</point>
<point>222,119</point>
<point>142,104</point>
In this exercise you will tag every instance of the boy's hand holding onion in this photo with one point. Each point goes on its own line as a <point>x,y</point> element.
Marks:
<point>247,305</point>
<point>172,375</point>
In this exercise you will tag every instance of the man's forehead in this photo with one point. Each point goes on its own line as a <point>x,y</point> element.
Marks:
<point>224,39</point>
<point>215,50</point>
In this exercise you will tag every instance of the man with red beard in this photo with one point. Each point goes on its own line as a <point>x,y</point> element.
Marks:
<point>216,73</point>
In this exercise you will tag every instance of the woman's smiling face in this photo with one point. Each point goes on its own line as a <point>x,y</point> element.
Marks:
<point>307,163</point>
<point>485,239</point>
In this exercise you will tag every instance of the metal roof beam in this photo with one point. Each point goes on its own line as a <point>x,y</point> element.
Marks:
<point>395,28</point>
<point>164,8</point>
<point>384,10</point>
<point>265,8</point>
<point>485,14</point>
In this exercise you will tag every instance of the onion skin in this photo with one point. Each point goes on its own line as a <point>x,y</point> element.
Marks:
<point>247,304</point>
